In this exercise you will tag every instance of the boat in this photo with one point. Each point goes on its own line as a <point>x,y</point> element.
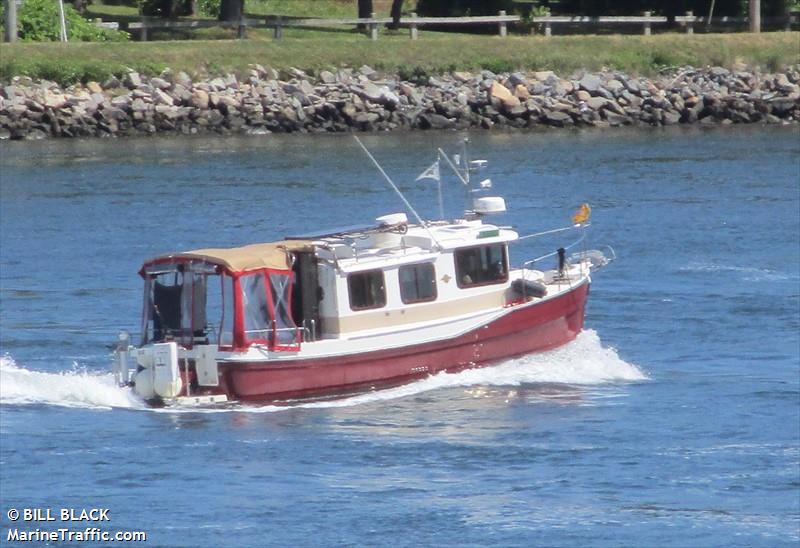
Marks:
<point>355,309</point>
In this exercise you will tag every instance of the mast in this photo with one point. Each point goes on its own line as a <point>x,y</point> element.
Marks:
<point>439,186</point>
<point>465,159</point>
<point>400,194</point>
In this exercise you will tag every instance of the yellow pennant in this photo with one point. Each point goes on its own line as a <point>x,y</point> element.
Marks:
<point>582,215</point>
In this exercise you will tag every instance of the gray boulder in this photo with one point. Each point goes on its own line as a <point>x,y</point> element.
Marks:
<point>590,82</point>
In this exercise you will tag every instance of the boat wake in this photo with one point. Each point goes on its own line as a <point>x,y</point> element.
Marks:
<point>746,273</point>
<point>583,362</point>
<point>74,388</point>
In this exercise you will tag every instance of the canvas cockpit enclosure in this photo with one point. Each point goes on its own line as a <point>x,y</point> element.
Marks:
<point>232,297</point>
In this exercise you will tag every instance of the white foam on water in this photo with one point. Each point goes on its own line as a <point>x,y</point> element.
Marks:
<point>746,273</point>
<point>582,362</point>
<point>73,388</point>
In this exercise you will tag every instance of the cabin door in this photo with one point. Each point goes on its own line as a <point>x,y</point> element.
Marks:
<point>306,294</point>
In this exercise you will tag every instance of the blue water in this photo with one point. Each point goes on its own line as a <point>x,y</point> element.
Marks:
<point>673,420</point>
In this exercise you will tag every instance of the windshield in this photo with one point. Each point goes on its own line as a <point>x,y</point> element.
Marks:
<point>190,303</point>
<point>267,309</point>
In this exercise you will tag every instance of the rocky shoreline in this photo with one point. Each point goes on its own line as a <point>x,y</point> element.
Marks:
<point>264,101</point>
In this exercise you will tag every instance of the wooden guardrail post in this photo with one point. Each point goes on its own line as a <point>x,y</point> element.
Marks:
<point>241,31</point>
<point>414,32</point>
<point>143,34</point>
<point>647,29</point>
<point>373,27</point>
<point>548,29</point>
<point>502,27</point>
<point>690,22</point>
<point>278,31</point>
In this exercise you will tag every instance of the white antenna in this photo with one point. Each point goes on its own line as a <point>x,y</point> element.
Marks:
<point>439,185</point>
<point>397,190</point>
<point>464,176</point>
<point>444,155</point>
<point>465,157</point>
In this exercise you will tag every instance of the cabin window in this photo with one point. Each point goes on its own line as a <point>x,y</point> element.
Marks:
<point>226,322</point>
<point>482,265</point>
<point>193,307</point>
<point>184,303</point>
<point>281,293</point>
<point>267,310</point>
<point>367,290</point>
<point>417,283</point>
<point>256,309</point>
<point>167,296</point>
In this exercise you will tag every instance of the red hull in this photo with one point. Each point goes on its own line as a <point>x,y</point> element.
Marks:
<point>525,329</point>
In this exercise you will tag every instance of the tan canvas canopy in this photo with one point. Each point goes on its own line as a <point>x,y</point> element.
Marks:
<point>242,259</point>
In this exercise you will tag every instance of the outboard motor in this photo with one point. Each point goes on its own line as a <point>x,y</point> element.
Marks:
<point>121,358</point>
<point>158,375</point>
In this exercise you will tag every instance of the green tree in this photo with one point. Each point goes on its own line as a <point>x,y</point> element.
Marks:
<point>457,8</point>
<point>40,21</point>
<point>167,9</point>
<point>365,8</point>
<point>231,10</point>
<point>396,12</point>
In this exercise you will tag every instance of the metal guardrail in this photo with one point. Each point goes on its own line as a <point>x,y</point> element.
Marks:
<point>690,20</point>
<point>372,24</point>
<point>646,20</point>
<point>413,23</point>
<point>114,25</point>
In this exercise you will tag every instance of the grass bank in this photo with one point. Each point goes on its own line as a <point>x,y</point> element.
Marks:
<point>434,52</point>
